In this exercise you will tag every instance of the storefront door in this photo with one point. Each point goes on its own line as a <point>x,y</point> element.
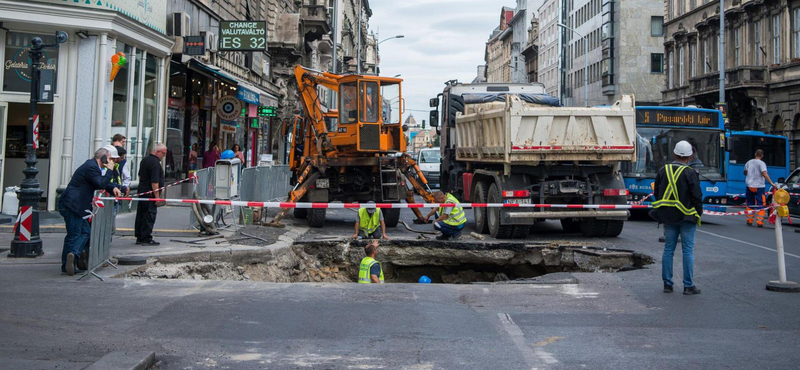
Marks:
<point>15,135</point>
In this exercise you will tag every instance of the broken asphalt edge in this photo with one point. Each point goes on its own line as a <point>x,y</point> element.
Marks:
<point>123,360</point>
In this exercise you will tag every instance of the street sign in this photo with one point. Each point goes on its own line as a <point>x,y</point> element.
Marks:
<point>242,36</point>
<point>194,45</point>
<point>267,111</point>
<point>229,108</point>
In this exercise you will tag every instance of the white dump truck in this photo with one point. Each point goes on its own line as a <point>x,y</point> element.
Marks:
<point>512,143</point>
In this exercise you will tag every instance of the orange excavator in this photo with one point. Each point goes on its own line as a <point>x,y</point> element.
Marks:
<point>355,153</point>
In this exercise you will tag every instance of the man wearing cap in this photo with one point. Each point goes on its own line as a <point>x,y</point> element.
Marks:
<point>76,203</point>
<point>678,205</point>
<point>121,175</point>
<point>367,222</point>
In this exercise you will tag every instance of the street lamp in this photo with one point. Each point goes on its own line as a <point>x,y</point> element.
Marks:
<point>585,66</point>
<point>376,50</point>
<point>27,242</point>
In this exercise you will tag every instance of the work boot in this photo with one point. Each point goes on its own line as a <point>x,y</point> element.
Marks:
<point>749,223</point>
<point>760,225</point>
<point>691,290</point>
<point>442,237</point>
<point>667,288</point>
<point>70,264</point>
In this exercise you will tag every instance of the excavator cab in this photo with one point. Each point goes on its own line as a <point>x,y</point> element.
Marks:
<point>369,112</point>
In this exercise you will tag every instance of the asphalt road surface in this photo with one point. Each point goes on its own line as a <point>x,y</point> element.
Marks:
<point>606,321</point>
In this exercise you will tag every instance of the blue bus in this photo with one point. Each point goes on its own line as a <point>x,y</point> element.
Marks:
<point>658,129</point>
<point>742,145</point>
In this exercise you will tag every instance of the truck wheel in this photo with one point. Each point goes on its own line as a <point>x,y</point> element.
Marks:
<point>593,227</point>
<point>496,230</point>
<point>614,228</point>
<point>520,231</point>
<point>300,212</point>
<point>479,196</point>
<point>570,225</point>
<point>316,217</point>
<point>391,216</point>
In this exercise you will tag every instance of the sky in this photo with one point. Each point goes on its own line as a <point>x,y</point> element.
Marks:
<point>444,40</point>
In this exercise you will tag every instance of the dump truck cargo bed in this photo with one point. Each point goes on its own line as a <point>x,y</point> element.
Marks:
<point>521,133</point>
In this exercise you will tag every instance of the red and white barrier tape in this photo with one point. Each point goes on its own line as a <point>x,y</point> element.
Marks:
<point>640,201</point>
<point>191,177</point>
<point>240,203</point>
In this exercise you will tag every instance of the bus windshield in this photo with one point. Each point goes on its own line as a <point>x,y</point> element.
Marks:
<point>654,150</point>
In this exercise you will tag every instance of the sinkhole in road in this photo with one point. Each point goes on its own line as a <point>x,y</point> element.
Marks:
<point>403,261</point>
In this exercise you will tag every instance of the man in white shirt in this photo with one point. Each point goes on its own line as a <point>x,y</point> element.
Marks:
<point>755,171</point>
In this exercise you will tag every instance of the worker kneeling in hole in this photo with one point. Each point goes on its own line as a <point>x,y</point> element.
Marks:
<point>449,220</point>
<point>370,270</point>
<point>367,222</point>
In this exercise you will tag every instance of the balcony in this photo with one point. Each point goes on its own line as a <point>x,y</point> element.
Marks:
<point>745,76</point>
<point>315,16</point>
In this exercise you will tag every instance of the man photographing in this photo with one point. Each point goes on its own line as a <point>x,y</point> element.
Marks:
<point>76,203</point>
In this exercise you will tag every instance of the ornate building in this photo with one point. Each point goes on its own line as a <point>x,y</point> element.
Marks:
<point>762,62</point>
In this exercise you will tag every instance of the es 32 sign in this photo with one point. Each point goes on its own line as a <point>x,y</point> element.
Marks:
<point>242,35</point>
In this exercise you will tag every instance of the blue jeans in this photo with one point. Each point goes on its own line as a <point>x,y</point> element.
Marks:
<point>686,231</point>
<point>77,239</point>
<point>448,230</point>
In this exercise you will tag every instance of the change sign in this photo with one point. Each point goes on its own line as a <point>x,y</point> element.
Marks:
<point>242,35</point>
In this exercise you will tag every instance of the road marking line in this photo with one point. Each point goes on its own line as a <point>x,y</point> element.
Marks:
<point>519,340</point>
<point>746,243</point>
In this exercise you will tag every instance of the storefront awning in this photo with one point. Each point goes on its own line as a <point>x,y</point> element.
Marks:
<point>261,97</point>
<point>212,71</point>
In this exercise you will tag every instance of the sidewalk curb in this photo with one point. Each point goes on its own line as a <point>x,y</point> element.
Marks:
<point>122,360</point>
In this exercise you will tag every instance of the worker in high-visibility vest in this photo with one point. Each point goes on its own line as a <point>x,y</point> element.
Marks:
<point>367,222</point>
<point>370,270</point>
<point>755,171</point>
<point>678,205</point>
<point>449,220</point>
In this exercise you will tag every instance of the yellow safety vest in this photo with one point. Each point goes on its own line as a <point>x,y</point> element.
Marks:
<point>363,270</point>
<point>457,216</point>
<point>117,179</point>
<point>670,198</point>
<point>366,223</point>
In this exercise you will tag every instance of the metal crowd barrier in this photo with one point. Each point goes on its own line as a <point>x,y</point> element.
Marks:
<point>100,239</point>
<point>204,185</point>
<point>265,183</point>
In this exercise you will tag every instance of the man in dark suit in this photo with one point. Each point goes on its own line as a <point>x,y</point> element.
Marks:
<point>76,203</point>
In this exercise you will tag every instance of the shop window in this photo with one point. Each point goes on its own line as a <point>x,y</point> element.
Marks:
<point>16,71</point>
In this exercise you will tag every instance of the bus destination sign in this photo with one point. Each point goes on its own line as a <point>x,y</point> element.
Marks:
<point>668,117</point>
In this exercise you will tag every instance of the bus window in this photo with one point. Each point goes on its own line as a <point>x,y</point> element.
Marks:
<point>744,148</point>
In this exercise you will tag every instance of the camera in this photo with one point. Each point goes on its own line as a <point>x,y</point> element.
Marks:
<point>61,37</point>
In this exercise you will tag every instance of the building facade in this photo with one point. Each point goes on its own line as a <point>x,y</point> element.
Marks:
<point>624,53</point>
<point>550,47</point>
<point>762,62</point>
<point>498,49</point>
<point>85,111</point>
<point>531,52</point>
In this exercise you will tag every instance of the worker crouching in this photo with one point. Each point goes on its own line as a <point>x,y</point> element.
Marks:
<point>367,222</point>
<point>449,220</point>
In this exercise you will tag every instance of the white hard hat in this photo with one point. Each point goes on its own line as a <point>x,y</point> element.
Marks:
<point>112,151</point>
<point>683,149</point>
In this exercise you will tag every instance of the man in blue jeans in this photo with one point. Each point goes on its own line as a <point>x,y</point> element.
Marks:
<point>679,206</point>
<point>76,203</point>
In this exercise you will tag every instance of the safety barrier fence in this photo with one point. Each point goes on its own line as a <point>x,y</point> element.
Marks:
<point>204,183</point>
<point>265,183</point>
<point>100,237</point>
<point>241,203</point>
